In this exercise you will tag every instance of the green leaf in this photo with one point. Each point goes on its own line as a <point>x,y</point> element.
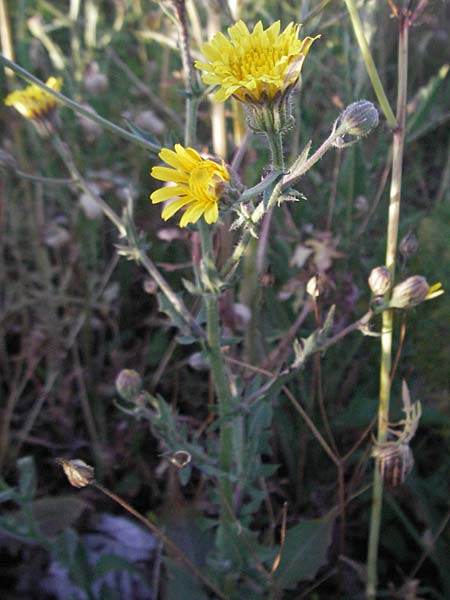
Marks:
<point>111,562</point>
<point>53,514</point>
<point>165,306</point>
<point>181,584</point>
<point>305,550</point>
<point>7,495</point>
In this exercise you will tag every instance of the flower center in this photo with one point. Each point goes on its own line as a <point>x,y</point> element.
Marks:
<point>204,181</point>
<point>255,62</point>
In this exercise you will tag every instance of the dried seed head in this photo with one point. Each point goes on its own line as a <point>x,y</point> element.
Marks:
<point>380,280</point>
<point>89,206</point>
<point>180,459</point>
<point>91,129</point>
<point>77,472</point>
<point>395,462</point>
<point>150,122</point>
<point>409,245</point>
<point>128,384</point>
<point>313,287</point>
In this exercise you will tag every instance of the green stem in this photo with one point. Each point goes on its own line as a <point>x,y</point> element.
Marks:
<point>388,317</point>
<point>370,65</point>
<point>276,150</point>
<point>213,339</point>
<point>80,109</point>
<point>217,366</point>
<point>291,178</point>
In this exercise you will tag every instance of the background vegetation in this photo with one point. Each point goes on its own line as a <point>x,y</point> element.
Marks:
<point>73,314</point>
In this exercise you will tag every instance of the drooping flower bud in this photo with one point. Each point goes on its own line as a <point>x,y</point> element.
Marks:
<point>357,120</point>
<point>380,280</point>
<point>128,384</point>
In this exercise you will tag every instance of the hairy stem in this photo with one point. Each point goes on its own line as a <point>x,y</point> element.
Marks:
<point>220,379</point>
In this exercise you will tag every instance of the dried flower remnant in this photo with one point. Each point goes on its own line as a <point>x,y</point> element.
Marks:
<point>77,472</point>
<point>199,184</point>
<point>395,463</point>
<point>395,458</point>
<point>409,245</point>
<point>254,67</point>
<point>179,458</point>
<point>37,104</point>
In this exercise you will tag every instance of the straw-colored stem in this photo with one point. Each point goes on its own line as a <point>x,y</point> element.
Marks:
<point>388,316</point>
<point>369,62</point>
<point>5,34</point>
<point>162,537</point>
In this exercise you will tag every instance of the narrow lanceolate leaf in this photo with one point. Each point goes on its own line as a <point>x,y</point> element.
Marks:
<point>425,116</point>
<point>305,550</point>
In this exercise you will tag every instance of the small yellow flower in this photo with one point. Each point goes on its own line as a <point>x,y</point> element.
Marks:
<point>33,102</point>
<point>254,67</point>
<point>198,185</point>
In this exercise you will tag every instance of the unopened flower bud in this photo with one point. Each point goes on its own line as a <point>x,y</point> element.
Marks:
<point>89,206</point>
<point>150,122</point>
<point>358,120</point>
<point>409,293</point>
<point>128,384</point>
<point>380,280</point>
<point>95,82</point>
<point>91,129</point>
<point>409,244</point>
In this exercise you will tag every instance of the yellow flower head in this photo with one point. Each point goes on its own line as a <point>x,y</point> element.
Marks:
<point>254,67</point>
<point>33,102</point>
<point>198,185</point>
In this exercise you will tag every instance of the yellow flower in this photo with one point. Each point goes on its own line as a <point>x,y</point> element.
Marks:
<point>198,185</point>
<point>33,102</point>
<point>254,67</point>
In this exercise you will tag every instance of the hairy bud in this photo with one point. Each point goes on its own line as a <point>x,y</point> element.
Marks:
<point>380,280</point>
<point>409,293</point>
<point>128,384</point>
<point>357,120</point>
